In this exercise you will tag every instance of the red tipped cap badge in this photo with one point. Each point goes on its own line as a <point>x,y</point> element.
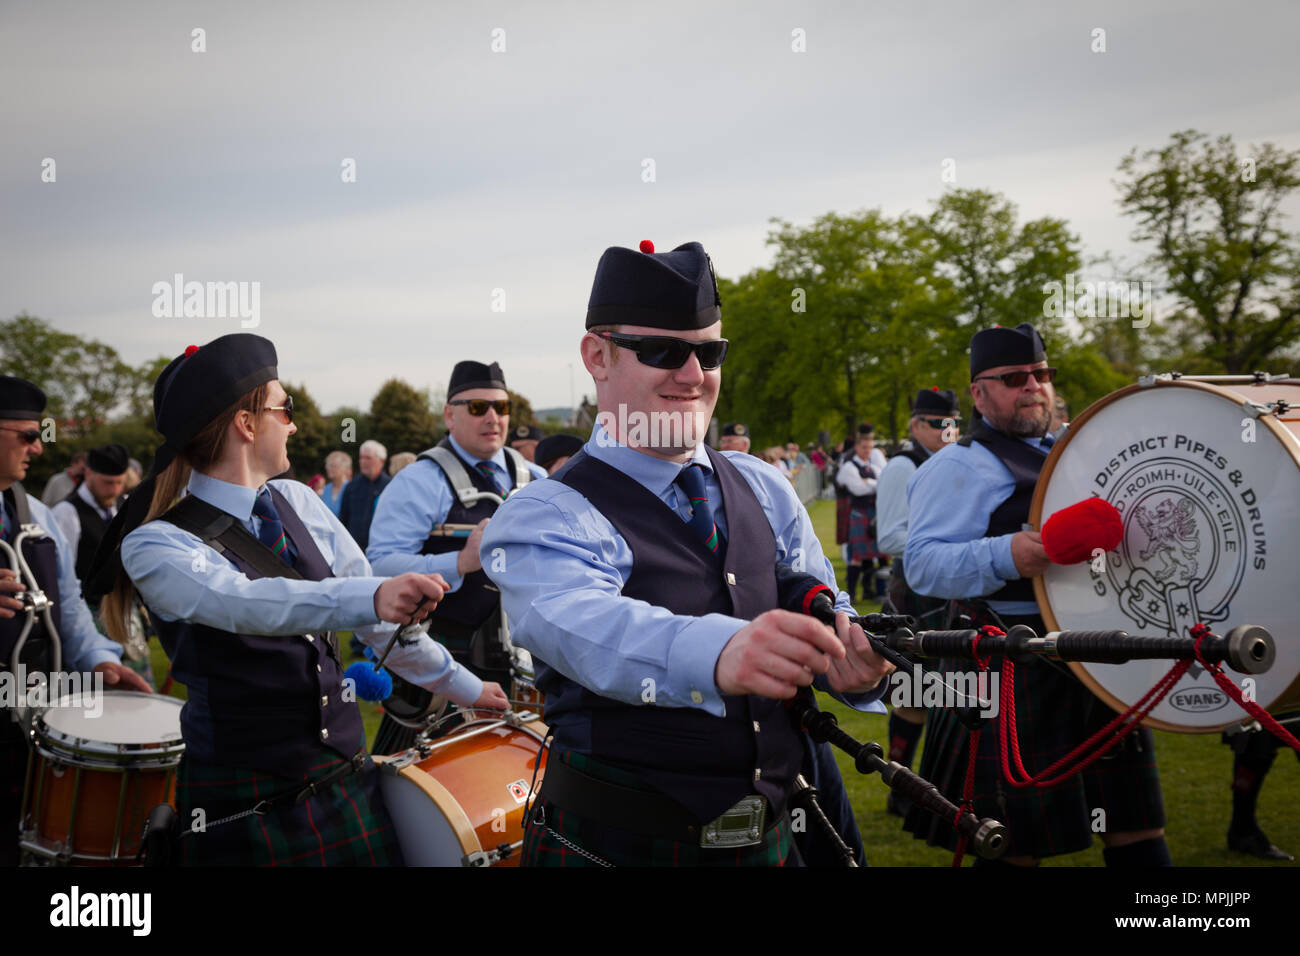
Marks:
<point>190,350</point>
<point>647,246</point>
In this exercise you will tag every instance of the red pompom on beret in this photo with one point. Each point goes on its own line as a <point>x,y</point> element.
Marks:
<point>1072,534</point>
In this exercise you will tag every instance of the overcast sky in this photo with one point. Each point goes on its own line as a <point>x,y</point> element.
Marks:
<point>479,170</point>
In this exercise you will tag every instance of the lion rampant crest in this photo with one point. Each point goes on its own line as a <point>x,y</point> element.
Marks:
<point>1171,537</point>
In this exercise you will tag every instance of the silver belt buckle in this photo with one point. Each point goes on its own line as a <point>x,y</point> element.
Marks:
<point>742,825</point>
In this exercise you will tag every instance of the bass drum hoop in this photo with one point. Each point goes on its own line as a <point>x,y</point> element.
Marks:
<point>1270,422</point>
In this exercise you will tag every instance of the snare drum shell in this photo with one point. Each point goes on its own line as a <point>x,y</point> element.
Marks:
<point>467,795</point>
<point>1209,492</point>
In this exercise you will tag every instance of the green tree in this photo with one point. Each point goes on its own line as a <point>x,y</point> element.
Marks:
<point>1214,220</point>
<point>400,418</point>
<point>313,440</point>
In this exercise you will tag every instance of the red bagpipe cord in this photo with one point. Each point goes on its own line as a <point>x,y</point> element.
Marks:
<point>1230,688</point>
<point>1075,761</point>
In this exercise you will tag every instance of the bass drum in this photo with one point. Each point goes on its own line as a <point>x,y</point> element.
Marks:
<point>459,800</point>
<point>1206,475</point>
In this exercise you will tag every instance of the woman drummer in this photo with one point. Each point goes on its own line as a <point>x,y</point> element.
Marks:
<point>245,577</point>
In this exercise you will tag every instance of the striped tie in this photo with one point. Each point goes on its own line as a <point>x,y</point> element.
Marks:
<point>488,472</point>
<point>271,533</point>
<point>691,480</point>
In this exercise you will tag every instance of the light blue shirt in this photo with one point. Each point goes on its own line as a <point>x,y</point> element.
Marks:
<point>950,500</point>
<point>561,566</point>
<point>417,499</point>
<point>332,501</point>
<point>891,502</point>
<point>181,578</point>
<point>84,648</point>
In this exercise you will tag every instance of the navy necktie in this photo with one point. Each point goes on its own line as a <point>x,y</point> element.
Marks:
<point>272,533</point>
<point>488,472</point>
<point>6,525</point>
<point>691,480</point>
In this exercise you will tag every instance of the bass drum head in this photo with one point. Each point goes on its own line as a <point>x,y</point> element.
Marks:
<point>1210,500</point>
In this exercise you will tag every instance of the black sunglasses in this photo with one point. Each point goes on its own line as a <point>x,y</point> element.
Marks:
<point>1018,379</point>
<point>30,435</point>
<point>939,423</point>
<point>479,406</point>
<point>661,351</point>
<point>287,408</point>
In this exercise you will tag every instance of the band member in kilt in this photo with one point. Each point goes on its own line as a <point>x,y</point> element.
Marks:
<point>52,561</point>
<point>968,504</point>
<point>470,463</point>
<point>858,476</point>
<point>933,424</point>
<point>246,578</point>
<point>642,578</point>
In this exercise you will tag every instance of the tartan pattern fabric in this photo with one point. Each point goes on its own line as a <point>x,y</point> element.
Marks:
<point>346,825</point>
<point>271,533</point>
<point>843,504</point>
<point>542,847</point>
<point>862,546</point>
<point>1054,714</point>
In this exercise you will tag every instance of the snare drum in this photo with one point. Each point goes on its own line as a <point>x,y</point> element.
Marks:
<point>1206,475</point>
<point>99,764</point>
<point>459,800</point>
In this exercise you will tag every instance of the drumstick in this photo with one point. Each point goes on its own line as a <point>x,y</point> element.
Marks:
<point>410,629</point>
<point>452,530</point>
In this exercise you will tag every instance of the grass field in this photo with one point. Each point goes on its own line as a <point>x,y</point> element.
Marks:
<point>1195,773</point>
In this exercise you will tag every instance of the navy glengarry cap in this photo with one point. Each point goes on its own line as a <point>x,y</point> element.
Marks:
<point>469,374</point>
<point>108,460</point>
<point>20,399</point>
<point>932,401</point>
<point>556,446</point>
<point>525,433</point>
<point>662,290</point>
<point>735,430</point>
<point>203,382</point>
<point>995,347</point>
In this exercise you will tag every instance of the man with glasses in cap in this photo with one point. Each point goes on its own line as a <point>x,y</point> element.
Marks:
<point>431,519</point>
<point>933,424</point>
<point>966,540</point>
<point>643,579</point>
<point>52,562</point>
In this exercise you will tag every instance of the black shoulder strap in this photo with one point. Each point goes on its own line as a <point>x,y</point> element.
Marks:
<point>215,526</point>
<point>21,511</point>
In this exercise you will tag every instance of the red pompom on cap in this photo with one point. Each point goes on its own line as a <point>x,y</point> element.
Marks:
<point>1072,534</point>
<point>190,350</point>
<point>647,246</point>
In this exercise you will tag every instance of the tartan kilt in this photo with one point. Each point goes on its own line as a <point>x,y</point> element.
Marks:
<point>862,546</point>
<point>547,824</point>
<point>842,505</point>
<point>931,613</point>
<point>346,825</point>
<point>1054,714</point>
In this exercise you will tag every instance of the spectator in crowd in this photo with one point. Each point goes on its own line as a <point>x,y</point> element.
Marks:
<point>65,482</point>
<point>400,461</point>
<point>316,483</point>
<point>338,469</point>
<point>361,493</point>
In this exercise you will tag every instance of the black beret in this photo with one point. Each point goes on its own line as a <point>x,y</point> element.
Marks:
<point>468,374</point>
<point>932,401</point>
<point>736,429</point>
<point>109,460</point>
<point>525,433</point>
<point>556,446</point>
<point>20,399</point>
<point>662,290</point>
<point>204,381</point>
<point>995,347</point>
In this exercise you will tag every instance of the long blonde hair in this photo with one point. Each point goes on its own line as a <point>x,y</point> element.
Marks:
<point>200,454</point>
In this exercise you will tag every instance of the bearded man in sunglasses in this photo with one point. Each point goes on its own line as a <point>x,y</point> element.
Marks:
<point>52,562</point>
<point>452,490</point>
<point>643,579</point>
<point>968,504</point>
